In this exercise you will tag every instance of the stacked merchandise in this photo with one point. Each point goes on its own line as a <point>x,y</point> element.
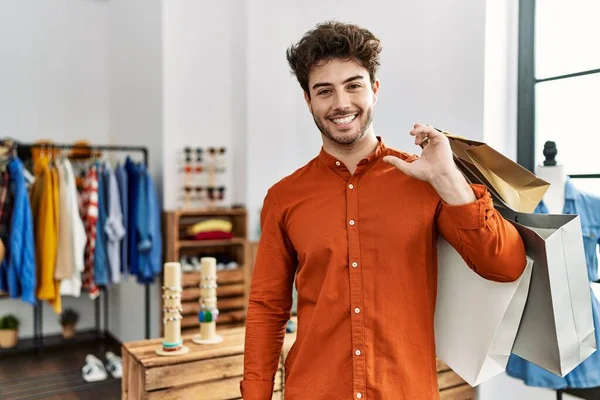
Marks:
<point>211,229</point>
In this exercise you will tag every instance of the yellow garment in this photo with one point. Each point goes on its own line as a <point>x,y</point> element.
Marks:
<point>210,225</point>
<point>44,201</point>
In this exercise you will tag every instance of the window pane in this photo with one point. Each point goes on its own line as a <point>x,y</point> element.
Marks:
<point>567,112</point>
<point>567,37</point>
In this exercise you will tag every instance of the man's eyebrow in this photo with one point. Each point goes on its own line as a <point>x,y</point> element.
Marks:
<point>352,78</point>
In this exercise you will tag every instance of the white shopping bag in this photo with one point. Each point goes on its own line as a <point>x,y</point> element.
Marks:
<point>476,320</point>
<point>557,330</point>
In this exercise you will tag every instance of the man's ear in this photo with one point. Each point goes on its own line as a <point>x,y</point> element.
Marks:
<point>307,99</point>
<point>375,91</point>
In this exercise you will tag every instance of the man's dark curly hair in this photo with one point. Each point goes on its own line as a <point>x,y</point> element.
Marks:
<point>334,40</point>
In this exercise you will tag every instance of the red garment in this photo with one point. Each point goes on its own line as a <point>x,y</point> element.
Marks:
<point>213,235</point>
<point>90,217</point>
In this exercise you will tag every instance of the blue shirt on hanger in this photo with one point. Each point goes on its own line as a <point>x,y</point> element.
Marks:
<point>121,175</point>
<point>17,271</point>
<point>101,266</point>
<point>149,241</point>
<point>587,374</point>
<point>132,189</point>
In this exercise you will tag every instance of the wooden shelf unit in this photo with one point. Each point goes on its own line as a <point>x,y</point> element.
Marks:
<point>233,284</point>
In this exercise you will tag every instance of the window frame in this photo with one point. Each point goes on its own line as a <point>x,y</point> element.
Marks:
<point>526,150</point>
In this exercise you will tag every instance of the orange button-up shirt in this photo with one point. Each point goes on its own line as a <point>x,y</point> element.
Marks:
<point>362,250</point>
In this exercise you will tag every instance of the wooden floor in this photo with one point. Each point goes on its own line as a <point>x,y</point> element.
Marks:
<point>55,373</point>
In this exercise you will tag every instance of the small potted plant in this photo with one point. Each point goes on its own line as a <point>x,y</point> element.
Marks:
<point>68,320</point>
<point>9,331</point>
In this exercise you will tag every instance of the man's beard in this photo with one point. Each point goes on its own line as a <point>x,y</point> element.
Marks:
<point>346,139</point>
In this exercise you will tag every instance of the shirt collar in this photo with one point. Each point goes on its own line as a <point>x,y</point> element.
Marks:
<point>570,190</point>
<point>339,167</point>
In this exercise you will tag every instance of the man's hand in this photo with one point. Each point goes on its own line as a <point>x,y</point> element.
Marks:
<point>436,166</point>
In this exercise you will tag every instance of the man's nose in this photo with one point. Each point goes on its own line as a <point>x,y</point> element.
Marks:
<point>342,101</point>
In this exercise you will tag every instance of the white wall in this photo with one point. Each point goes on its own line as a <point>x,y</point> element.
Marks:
<point>204,88</point>
<point>135,82</point>
<point>54,85</point>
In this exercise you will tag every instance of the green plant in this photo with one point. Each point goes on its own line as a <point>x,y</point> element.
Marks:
<point>9,322</point>
<point>69,317</point>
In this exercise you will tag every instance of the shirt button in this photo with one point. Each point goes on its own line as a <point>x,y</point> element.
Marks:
<point>357,352</point>
<point>355,264</point>
<point>351,222</point>
<point>358,395</point>
<point>337,163</point>
<point>357,310</point>
<point>351,186</point>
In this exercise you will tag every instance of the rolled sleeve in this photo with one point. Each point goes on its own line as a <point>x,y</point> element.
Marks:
<point>256,390</point>
<point>490,245</point>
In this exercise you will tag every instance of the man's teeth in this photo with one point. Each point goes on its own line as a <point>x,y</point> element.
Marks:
<point>345,120</point>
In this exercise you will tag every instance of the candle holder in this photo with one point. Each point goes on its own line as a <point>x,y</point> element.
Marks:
<point>172,344</point>
<point>209,313</point>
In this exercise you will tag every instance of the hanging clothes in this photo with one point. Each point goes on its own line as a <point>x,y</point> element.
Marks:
<point>154,229</point>
<point>6,205</point>
<point>121,175</point>
<point>18,269</point>
<point>72,286</point>
<point>101,267</point>
<point>144,233</point>
<point>44,203</point>
<point>90,218</point>
<point>132,204</point>
<point>114,229</point>
<point>586,374</point>
<point>64,252</point>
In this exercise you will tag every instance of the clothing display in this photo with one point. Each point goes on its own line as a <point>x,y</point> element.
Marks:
<point>362,248</point>
<point>18,268</point>
<point>587,374</point>
<point>60,240</point>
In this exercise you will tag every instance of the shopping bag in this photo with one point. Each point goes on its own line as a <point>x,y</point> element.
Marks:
<point>476,320</point>
<point>520,189</point>
<point>557,328</point>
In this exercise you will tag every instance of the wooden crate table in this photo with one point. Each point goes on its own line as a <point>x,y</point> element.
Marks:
<point>213,372</point>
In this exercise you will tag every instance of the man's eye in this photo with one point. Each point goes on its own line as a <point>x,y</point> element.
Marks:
<point>354,86</point>
<point>326,91</point>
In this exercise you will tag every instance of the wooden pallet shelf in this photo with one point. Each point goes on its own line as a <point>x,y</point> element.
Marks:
<point>233,284</point>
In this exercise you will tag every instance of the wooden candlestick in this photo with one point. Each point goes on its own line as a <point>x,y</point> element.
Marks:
<point>172,343</point>
<point>209,313</point>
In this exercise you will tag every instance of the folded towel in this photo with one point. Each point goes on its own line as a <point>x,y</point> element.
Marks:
<point>210,225</point>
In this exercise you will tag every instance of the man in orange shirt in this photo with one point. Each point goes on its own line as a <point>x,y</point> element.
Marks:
<point>356,228</point>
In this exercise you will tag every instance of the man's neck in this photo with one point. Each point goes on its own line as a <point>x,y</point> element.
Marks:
<point>351,155</point>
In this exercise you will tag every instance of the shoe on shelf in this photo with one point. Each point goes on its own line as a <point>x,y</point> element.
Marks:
<point>114,365</point>
<point>185,264</point>
<point>195,261</point>
<point>93,370</point>
<point>231,265</point>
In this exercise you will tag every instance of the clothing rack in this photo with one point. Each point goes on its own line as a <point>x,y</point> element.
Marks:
<point>24,152</point>
<point>590,393</point>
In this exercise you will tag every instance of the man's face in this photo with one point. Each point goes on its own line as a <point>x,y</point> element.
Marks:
<point>341,100</point>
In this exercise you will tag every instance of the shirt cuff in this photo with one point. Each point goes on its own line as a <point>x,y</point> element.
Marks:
<point>471,215</point>
<point>256,390</point>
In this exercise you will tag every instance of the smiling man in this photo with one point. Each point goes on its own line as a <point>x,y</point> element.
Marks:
<point>357,228</point>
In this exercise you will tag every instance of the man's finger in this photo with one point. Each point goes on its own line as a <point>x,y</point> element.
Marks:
<point>396,162</point>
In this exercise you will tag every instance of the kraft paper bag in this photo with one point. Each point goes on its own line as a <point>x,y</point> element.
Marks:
<point>520,189</point>
<point>557,328</point>
<point>476,320</point>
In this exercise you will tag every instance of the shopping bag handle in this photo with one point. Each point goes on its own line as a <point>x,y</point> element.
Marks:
<point>448,134</point>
